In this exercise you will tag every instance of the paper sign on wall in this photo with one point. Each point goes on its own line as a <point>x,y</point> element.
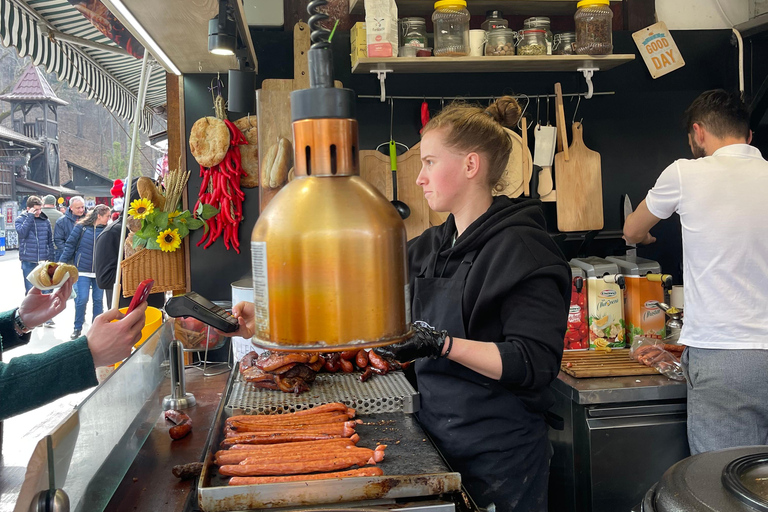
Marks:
<point>658,49</point>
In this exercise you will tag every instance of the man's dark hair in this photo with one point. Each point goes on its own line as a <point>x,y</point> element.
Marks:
<point>722,113</point>
<point>33,201</point>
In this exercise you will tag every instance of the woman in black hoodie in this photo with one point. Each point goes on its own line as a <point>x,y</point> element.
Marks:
<point>490,293</point>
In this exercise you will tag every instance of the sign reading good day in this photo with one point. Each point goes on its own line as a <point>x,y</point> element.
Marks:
<point>658,49</point>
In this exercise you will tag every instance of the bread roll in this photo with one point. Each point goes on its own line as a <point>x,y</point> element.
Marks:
<point>278,161</point>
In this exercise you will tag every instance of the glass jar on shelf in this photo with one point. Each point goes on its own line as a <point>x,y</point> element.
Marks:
<point>493,20</point>
<point>562,44</point>
<point>541,22</point>
<point>532,41</point>
<point>594,26</point>
<point>501,42</point>
<point>451,24</point>
<point>413,32</point>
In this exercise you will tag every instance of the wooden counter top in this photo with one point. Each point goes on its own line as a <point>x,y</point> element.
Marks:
<point>149,483</point>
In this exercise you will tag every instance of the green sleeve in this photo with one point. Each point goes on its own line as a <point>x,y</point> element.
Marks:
<point>30,381</point>
<point>8,336</point>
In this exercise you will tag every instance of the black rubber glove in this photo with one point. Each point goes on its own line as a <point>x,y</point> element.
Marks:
<point>425,342</point>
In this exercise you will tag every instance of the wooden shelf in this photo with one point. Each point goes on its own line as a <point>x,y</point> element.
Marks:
<point>516,63</point>
<point>478,7</point>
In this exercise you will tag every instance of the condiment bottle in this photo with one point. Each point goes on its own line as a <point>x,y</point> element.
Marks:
<point>493,20</point>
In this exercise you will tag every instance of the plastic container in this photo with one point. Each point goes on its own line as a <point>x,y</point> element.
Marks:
<point>413,32</point>
<point>562,44</point>
<point>493,20</point>
<point>153,319</point>
<point>594,25</point>
<point>501,42</point>
<point>451,24</point>
<point>532,42</point>
<point>424,52</point>
<point>541,22</point>
<point>407,51</point>
<point>605,302</point>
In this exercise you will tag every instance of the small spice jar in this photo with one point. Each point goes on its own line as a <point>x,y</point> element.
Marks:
<point>501,41</point>
<point>413,32</point>
<point>541,22</point>
<point>493,20</point>
<point>451,24</point>
<point>532,42</point>
<point>593,20</point>
<point>562,44</point>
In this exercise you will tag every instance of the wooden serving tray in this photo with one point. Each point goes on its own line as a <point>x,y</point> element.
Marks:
<point>598,363</point>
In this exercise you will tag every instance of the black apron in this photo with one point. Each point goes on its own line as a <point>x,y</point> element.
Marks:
<point>485,432</point>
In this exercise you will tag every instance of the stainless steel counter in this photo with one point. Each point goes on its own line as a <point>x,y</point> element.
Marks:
<point>613,390</point>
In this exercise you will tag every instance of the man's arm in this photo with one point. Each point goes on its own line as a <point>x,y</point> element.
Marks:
<point>638,225</point>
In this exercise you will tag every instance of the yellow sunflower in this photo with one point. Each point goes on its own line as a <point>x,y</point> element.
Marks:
<point>175,214</point>
<point>140,208</point>
<point>169,240</point>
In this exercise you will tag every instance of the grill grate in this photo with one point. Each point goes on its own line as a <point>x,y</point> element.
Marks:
<point>379,394</point>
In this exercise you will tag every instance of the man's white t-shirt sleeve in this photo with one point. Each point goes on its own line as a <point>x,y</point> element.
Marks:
<point>664,198</point>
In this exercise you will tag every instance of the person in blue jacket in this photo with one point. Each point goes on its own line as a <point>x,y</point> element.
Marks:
<point>80,248</point>
<point>35,238</point>
<point>66,224</point>
<point>32,380</point>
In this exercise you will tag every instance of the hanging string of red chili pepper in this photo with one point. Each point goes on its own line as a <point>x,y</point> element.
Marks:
<point>220,188</point>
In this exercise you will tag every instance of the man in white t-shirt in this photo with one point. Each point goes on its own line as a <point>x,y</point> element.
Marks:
<point>721,198</point>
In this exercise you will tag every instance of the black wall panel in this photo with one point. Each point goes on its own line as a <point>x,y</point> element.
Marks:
<point>638,130</point>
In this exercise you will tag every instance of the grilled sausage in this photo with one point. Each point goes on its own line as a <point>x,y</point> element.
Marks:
<point>182,421</point>
<point>362,359</point>
<point>295,468</point>
<point>255,480</point>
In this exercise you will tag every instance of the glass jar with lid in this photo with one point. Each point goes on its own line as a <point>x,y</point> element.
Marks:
<point>501,42</point>
<point>494,19</point>
<point>413,32</point>
<point>532,41</point>
<point>541,22</point>
<point>451,24</point>
<point>594,25</point>
<point>562,43</point>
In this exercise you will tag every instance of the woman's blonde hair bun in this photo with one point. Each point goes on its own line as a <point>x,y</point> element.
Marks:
<point>506,111</point>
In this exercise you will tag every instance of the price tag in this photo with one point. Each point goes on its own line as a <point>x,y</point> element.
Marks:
<point>658,49</point>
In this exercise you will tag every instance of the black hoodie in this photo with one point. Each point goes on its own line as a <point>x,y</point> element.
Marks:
<point>517,293</point>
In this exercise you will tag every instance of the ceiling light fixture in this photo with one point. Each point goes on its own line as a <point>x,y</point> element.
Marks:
<point>222,33</point>
<point>144,36</point>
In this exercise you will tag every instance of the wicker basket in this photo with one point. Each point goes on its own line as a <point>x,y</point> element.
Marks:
<point>166,268</point>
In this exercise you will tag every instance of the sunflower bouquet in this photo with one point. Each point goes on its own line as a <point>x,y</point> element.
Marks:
<point>163,224</point>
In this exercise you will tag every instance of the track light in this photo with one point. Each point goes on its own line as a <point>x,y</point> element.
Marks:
<point>222,33</point>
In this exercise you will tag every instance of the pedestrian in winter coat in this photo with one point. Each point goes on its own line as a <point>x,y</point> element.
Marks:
<point>66,224</point>
<point>53,213</point>
<point>80,248</point>
<point>35,237</point>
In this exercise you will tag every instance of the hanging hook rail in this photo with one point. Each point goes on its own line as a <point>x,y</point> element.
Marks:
<point>479,98</point>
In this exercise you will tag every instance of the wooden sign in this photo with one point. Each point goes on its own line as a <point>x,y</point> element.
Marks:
<point>658,49</point>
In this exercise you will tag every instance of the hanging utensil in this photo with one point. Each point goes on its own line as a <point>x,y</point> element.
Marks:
<point>400,206</point>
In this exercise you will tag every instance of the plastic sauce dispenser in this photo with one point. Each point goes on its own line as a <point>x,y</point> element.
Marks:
<point>644,287</point>
<point>605,301</point>
<point>577,333</point>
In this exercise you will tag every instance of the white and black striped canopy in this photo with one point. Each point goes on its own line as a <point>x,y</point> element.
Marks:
<point>110,78</point>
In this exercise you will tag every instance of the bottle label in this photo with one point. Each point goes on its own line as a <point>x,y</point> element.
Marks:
<point>260,288</point>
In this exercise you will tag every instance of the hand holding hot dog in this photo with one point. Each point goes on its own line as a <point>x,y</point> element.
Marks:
<point>110,342</point>
<point>246,317</point>
<point>37,308</point>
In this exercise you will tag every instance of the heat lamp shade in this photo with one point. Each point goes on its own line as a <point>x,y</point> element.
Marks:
<point>242,91</point>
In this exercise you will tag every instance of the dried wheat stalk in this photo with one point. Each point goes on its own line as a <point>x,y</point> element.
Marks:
<point>175,182</point>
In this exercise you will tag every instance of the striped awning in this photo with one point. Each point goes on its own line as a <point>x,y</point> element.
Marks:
<point>109,78</point>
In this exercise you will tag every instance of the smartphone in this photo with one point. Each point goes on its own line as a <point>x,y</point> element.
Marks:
<point>142,292</point>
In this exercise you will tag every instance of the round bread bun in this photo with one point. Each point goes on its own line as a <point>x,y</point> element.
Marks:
<point>61,270</point>
<point>209,141</point>
<point>42,274</point>
<point>249,154</point>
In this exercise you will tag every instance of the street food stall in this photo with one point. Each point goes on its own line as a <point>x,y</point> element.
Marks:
<point>258,127</point>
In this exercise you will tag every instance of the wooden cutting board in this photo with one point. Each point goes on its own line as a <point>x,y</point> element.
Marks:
<point>375,168</point>
<point>274,104</point>
<point>598,363</point>
<point>579,186</point>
